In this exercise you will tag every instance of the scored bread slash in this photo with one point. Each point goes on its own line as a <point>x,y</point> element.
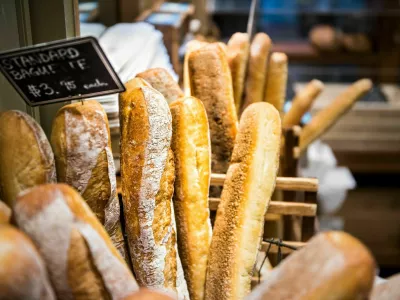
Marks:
<point>147,178</point>
<point>192,152</point>
<point>82,147</point>
<point>247,191</point>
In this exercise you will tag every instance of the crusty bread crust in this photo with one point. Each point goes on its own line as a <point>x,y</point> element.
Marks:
<point>211,82</point>
<point>275,86</point>
<point>82,147</point>
<point>163,82</point>
<point>23,273</point>
<point>333,265</point>
<point>327,117</point>
<point>79,255</point>
<point>192,152</point>
<point>257,69</point>
<point>247,190</point>
<point>302,102</point>
<point>190,47</point>
<point>147,177</point>
<point>26,158</point>
<point>5,213</point>
<point>238,56</point>
<point>146,294</point>
<point>389,290</point>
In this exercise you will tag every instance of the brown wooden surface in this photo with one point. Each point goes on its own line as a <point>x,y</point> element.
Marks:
<point>308,226</point>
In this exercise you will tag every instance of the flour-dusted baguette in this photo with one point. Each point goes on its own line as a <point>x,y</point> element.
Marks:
<point>163,82</point>
<point>5,213</point>
<point>192,152</point>
<point>257,69</point>
<point>245,197</point>
<point>23,274</point>
<point>190,47</point>
<point>388,290</point>
<point>333,265</point>
<point>80,257</point>
<point>147,178</point>
<point>82,148</point>
<point>146,294</point>
<point>327,117</point>
<point>302,103</point>
<point>277,75</point>
<point>26,158</point>
<point>238,56</point>
<point>211,82</point>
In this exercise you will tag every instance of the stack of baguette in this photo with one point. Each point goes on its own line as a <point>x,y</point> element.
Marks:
<point>68,237</point>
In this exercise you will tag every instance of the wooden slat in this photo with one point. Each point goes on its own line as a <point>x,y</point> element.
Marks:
<point>282,183</point>
<point>280,207</point>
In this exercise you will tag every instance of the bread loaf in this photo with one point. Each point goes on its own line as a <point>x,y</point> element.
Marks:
<point>147,178</point>
<point>192,152</point>
<point>238,56</point>
<point>333,265</point>
<point>190,47</point>
<point>245,197</point>
<point>302,102</point>
<point>163,82</point>
<point>80,257</point>
<point>5,213</point>
<point>211,82</point>
<point>82,148</point>
<point>327,117</point>
<point>389,290</point>
<point>26,158</point>
<point>275,86</point>
<point>23,274</point>
<point>146,294</point>
<point>257,69</point>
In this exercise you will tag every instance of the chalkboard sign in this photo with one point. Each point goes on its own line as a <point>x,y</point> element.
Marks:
<point>60,71</point>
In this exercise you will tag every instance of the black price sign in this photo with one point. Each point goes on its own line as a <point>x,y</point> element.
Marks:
<point>60,71</point>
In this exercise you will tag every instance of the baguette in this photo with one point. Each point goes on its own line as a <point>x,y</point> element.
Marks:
<point>211,82</point>
<point>192,152</point>
<point>257,69</point>
<point>238,56</point>
<point>146,294</point>
<point>82,147</point>
<point>163,82</point>
<point>26,158</point>
<point>190,47</point>
<point>80,257</point>
<point>275,86</point>
<point>5,213</point>
<point>302,103</point>
<point>245,197</point>
<point>23,274</point>
<point>389,290</point>
<point>333,265</point>
<point>147,178</point>
<point>327,117</point>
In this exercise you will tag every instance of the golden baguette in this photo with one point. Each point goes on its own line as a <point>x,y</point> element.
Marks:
<point>238,56</point>
<point>245,197</point>
<point>277,75</point>
<point>257,69</point>
<point>190,47</point>
<point>192,152</point>
<point>211,82</point>
<point>163,82</point>
<point>333,265</point>
<point>327,117</point>
<point>5,213</point>
<point>302,102</point>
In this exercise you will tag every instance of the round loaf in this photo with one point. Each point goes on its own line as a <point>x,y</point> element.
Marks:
<point>146,294</point>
